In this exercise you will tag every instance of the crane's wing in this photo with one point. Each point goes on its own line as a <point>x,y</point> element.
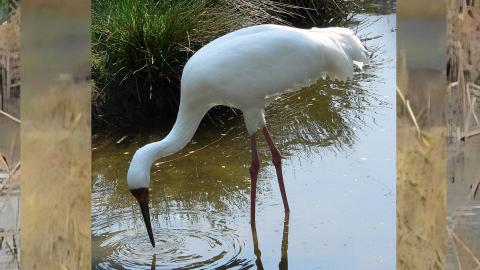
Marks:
<point>260,62</point>
<point>245,31</point>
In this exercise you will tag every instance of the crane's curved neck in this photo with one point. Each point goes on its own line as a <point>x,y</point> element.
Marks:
<point>188,119</point>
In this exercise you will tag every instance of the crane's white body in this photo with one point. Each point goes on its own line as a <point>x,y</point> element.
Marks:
<point>245,69</point>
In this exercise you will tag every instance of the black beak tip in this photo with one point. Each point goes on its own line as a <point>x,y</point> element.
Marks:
<point>141,195</point>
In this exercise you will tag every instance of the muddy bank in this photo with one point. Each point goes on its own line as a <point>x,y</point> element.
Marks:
<point>421,174</point>
<point>421,157</point>
<point>420,198</point>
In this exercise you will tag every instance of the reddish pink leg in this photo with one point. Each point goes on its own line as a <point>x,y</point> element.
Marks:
<point>277,162</point>
<point>254,167</point>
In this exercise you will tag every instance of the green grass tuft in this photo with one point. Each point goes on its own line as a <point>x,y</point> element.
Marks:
<point>140,48</point>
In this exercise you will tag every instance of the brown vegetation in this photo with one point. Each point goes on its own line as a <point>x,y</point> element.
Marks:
<point>55,198</point>
<point>421,189</point>
<point>9,64</point>
<point>56,153</point>
<point>421,9</point>
<point>421,157</point>
<point>9,141</point>
<point>463,140</point>
<point>420,198</point>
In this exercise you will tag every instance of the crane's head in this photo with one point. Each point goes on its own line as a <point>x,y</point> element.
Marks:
<point>138,180</point>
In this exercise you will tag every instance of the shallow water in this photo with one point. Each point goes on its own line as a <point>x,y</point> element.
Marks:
<point>463,202</point>
<point>338,144</point>
<point>9,198</point>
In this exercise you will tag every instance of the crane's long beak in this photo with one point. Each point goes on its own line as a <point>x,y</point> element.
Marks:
<point>141,194</point>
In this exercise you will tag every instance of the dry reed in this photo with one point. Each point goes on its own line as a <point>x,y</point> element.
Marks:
<point>463,133</point>
<point>421,171</point>
<point>9,150</point>
<point>56,136</point>
<point>9,184</point>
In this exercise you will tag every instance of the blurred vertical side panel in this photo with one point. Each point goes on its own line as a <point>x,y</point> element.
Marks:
<point>55,137</point>
<point>463,140</point>
<point>9,134</point>
<point>421,131</point>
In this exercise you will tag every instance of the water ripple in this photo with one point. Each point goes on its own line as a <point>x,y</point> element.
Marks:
<point>175,249</point>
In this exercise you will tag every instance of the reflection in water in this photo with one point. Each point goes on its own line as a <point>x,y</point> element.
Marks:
<point>210,187</point>
<point>256,250</point>
<point>284,260</point>
<point>154,262</point>
<point>200,196</point>
<point>283,265</point>
<point>325,116</point>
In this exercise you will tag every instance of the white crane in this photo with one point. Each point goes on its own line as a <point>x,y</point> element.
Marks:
<point>245,69</point>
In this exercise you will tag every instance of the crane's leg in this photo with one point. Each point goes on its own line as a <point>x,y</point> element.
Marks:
<point>256,249</point>
<point>277,162</point>
<point>254,167</point>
